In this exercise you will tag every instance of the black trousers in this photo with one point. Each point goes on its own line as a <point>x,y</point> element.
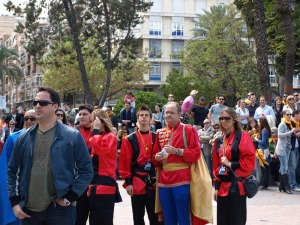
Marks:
<point>82,209</point>
<point>102,209</point>
<point>232,210</point>
<point>138,203</point>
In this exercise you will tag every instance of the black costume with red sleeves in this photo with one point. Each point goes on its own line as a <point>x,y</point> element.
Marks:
<point>137,169</point>
<point>240,151</point>
<point>103,191</point>
<point>82,207</point>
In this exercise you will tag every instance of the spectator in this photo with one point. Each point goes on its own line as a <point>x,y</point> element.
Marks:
<point>290,104</point>
<point>156,120</point>
<point>297,100</point>
<point>170,99</point>
<point>252,106</point>
<point>283,148</point>
<point>113,118</point>
<point>215,110</point>
<point>284,101</point>
<point>274,164</point>
<point>61,116</point>
<point>16,117</point>
<point>278,108</point>
<point>264,110</point>
<point>243,114</point>
<point>205,135</point>
<point>129,98</point>
<point>199,113</point>
<point>12,128</point>
<point>128,119</point>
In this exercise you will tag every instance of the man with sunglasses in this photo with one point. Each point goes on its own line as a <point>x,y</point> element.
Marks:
<point>8,215</point>
<point>216,109</point>
<point>50,167</point>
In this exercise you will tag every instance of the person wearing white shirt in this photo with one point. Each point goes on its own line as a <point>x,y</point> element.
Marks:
<point>264,110</point>
<point>243,113</point>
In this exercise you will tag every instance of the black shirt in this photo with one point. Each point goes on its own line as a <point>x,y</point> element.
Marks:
<point>200,113</point>
<point>252,109</point>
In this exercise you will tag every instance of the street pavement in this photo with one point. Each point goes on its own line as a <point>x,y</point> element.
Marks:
<point>268,207</point>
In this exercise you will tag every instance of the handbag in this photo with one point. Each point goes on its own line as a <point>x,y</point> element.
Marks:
<point>250,184</point>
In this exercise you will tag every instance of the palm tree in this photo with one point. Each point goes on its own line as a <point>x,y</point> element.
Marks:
<point>285,8</point>
<point>8,67</point>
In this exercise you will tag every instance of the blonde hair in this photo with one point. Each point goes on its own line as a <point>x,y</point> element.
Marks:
<point>103,117</point>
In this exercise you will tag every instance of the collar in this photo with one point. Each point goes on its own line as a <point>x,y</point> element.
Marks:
<point>176,126</point>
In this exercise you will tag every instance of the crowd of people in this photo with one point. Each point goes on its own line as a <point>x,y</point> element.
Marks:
<point>76,158</point>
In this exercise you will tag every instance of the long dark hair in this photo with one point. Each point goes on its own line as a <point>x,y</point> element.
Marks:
<point>232,113</point>
<point>64,119</point>
<point>263,124</point>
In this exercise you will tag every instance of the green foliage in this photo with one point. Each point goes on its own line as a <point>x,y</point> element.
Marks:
<point>9,68</point>
<point>141,97</point>
<point>223,61</point>
<point>61,71</point>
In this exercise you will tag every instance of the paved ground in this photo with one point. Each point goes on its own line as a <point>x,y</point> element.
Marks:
<point>268,207</point>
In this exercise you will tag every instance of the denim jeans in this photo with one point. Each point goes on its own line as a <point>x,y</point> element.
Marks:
<point>208,161</point>
<point>292,165</point>
<point>283,163</point>
<point>53,215</point>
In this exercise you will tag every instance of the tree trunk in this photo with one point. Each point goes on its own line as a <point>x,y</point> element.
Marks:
<point>284,9</point>
<point>261,48</point>
<point>70,14</point>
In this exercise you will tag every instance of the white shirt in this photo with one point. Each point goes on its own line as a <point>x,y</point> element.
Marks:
<point>263,112</point>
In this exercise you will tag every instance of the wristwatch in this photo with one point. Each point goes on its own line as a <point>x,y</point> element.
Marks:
<point>67,202</point>
<point>178,152</point>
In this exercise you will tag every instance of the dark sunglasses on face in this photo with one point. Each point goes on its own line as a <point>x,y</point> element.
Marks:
<point>42,102</point>
<point>226,118</point>
<point>29,118</point>
<point>288,114</point>
<point>60,114</point>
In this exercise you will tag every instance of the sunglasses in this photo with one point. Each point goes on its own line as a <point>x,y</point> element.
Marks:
<point>285,96</point>
<point>11,124</point>
<point>272,132</point>
<point>60,114</point>
<point>291,99</point>
<point>288,114</point>
<point>226,118</point>
<point>42,103</point>
<point>296,95</point>
<point>29,118</point>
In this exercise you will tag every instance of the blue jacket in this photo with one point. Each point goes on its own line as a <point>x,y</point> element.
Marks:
<point>70,161</point>
<point>7,215</point>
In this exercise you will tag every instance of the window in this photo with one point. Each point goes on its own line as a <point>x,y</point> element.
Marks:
<point>156,7</point>
<point>177,46</point>
<point>272,75</point>
<point>155,25</point>
<point>225,2</point>
<point>177,26</point>
<point>200,5</point>
<point>177,65</point>
<point>155,48</point>
<point>178,6</point>
<point>155,72</point>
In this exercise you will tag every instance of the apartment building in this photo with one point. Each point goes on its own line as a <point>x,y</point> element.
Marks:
<point>166,30</point>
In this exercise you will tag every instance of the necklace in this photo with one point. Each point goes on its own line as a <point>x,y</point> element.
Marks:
<point>172,132</point>
<point>145,145</point>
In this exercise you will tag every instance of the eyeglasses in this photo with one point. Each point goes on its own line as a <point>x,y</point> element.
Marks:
<point>226,118</point>
<point>272,132</point>
<point>290,99</point>
<point>285,96</point>
<point>29,118</point>
<point>60,114</point>
<point>288,114</point>
<point>42,102</point>
<point>221,99</point>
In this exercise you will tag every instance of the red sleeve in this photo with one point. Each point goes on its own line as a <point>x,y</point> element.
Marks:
<point>247,156</point>
<point>156,149</point>
<point>103,144</point>
<point>125,159</point>
<point>192,153</point>
<point>215,161</point>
